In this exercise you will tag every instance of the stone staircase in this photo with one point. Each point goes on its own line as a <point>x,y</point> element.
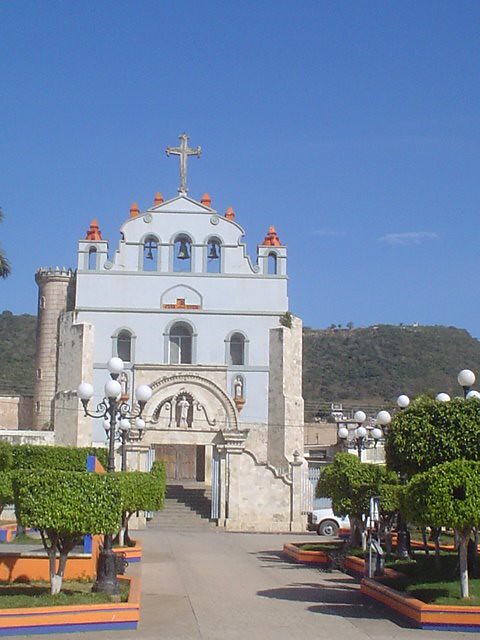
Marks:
<point>187,507</point>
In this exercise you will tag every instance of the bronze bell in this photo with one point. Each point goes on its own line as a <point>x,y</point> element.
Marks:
<point>183,251</point>
<point>213,255</point>
<point>149,254</point>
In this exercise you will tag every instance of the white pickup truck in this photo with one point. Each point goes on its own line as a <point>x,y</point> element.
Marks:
<point>325,522</point>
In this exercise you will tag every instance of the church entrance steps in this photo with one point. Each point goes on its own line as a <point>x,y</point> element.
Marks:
<point>187,507</point>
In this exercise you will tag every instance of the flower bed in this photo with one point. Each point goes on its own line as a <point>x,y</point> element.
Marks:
<point>421,614</point>
<point>74,618</point>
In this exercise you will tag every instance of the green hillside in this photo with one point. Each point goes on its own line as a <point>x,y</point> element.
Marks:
<point>17,353</point>
<point>361,368</point>
<point>373,366</point>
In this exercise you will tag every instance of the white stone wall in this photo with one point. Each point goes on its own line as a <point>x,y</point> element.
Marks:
<point>16,412</point>
<point>285,402</point>
<point>75,363</point>
<point>259,499</point>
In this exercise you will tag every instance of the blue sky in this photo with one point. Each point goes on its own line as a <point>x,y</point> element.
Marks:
<point>352,126</point>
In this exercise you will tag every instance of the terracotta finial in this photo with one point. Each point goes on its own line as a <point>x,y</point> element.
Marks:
<point>206,200</point>
<point>94,232</point>
<point>134,210</point>
<point>158,199</point>
<point>272,239</point>
<point>230,214</point>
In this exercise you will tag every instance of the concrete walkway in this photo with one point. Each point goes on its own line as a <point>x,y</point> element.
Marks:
<point>211,585</point>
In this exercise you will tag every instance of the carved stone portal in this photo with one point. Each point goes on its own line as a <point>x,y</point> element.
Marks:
<point>183,411</point>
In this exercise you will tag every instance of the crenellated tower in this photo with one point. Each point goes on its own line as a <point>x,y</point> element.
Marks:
<point>56,294</point>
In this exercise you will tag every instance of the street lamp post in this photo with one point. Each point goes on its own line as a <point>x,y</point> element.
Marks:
<point>403,534</point>
<point>113,410</point>
<point>360,432</point>
<point>361,441</point>
<point>466,379</point>
<point>127,434</point>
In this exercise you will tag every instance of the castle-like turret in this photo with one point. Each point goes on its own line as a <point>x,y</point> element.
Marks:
<point>56,293</point>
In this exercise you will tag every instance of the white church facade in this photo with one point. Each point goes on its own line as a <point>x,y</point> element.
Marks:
<point>191,315</point>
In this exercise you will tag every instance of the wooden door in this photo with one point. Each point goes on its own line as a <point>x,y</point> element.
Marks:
<point>180,460</point>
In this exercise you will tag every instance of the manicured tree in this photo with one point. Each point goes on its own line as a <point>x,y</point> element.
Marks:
<point>64,506</point>
<point>389,494</point>
<point>140,491</point>
<point>350,484</point>
<point>430,432</point>
<point>447,495</point>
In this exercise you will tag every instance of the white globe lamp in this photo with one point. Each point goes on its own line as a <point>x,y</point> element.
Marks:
<point>115,365</point>
<point>343,433</point>
<point>403,401</point>
<point>359,417</point>
<point>383,418</point>
<point>466,378</point>
<point>85,391</point>
<point>360,432</point>
<point>143,393</point>
<point>112,389</point>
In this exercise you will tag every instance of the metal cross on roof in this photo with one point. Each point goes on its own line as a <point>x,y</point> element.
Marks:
<point>183,151</point>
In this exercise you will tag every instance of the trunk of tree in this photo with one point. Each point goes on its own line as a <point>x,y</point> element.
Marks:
<point>476,559</point>
<point>463,537</point>
<point>124,539</point>
<point>425,541</point>
<point>356,531</point>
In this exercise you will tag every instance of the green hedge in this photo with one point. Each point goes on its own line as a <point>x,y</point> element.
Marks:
<point>27,456</point>
<point>141,491</point>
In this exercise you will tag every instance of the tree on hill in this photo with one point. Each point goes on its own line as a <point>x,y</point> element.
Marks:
<point>4,264</point>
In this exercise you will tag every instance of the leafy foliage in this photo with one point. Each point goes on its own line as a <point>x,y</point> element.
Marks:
<point>6,489</point>
<point>430,432</point>
<point>350,484</point>
<point>68,502</point>
<point>65,505</point>
<point>446,495</point>
<point>140,491</point>
<point>6,455</point>
<point>27,456</point>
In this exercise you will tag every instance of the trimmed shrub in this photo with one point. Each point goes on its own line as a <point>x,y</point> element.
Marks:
<point>27,456</point>
<point>64,506</point>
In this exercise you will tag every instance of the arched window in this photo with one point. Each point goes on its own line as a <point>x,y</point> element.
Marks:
<point>124,345</point>
<point>237,349</point>
<point>214,249</point>
<point>180,343</point>
<point>92,258</point>
<point>150,254</point>
<point>272,264</point>
<point>42,303</point>
<point>182,253</point>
